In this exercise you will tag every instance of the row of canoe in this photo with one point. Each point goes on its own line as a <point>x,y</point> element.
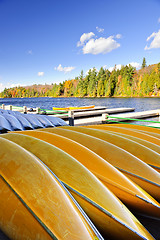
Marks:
<point>14,121</point>
<point>79,182</point>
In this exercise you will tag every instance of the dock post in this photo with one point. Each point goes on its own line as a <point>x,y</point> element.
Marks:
<point>71,118</point>
<point>3,106</point>
<point>10,107</point>
<point>37,110</point>
<point>24,109</point>
<point>104,117</point>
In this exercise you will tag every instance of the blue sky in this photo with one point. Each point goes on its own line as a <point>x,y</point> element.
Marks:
<point>48,41</point>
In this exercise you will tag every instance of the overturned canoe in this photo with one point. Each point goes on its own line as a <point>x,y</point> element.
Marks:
<point>110,216</point>
<point>141,139</point>
<point>33,203</point>
<point>132,132</point>
<point>150,130</point>
<point>4,124</point>
<point>139,150</point>
<point>144,142</point>
<point>127,191</point>
<point>132,167</point>
<point>14,123</point>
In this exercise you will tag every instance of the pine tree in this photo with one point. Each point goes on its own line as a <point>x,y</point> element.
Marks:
<point>144,63</point>
<point>92,85</point>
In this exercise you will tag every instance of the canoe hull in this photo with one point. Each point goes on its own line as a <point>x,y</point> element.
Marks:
<point>88,191</point>
<point>27,200</point>
<point>127,191</point>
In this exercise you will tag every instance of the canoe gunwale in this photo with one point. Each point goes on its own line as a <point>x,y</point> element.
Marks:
<point>65,187</point>
<point>124,189</point>
<point>115,184</point>
<point>144,179</point>
<point>104,211</point>
<point>153,166</point>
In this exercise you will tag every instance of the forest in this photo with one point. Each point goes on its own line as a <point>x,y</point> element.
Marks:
<point>124,82</point>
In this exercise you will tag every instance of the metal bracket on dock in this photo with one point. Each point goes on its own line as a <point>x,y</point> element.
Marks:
<point>104,118</point>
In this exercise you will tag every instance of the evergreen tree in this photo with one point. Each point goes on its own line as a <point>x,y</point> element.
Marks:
<point>144,63</point>
<point>124,82</point>
<point>81,75</point>
<point>101,81</point>
<point>92,85</point>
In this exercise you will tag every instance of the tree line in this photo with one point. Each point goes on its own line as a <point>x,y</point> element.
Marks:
<point>124,82</point>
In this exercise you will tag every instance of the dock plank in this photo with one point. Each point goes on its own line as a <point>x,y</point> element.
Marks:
<point>135,115</point>
<point>93,113</point>
<point>125,116</point>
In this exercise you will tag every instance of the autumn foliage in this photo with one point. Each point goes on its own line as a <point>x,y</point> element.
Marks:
<point>126,82</point>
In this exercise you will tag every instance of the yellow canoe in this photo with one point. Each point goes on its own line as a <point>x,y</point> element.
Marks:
<point>143,142</point>
<point>127,191</point>
<point>138,171</point>
<point>132,132</point>
<point>74,108</point>
<point>131,135</point>
<point>142,152</point>
<point>33,203</point>
<point>110,216</point>
<point>149,130</point>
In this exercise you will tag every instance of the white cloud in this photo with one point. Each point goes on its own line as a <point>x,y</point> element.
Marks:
<point>119,66</point>
<point>155,42</point>
<point>118,36</point>
<point>134,64</point>
<point>111,69</point>
<point>1,87</point>
<point>116,67</point>
<point>9,85</point>
<point>159,20</point>
<point>15,85</point>
<point>64,69</point>
<point>85,37</point>
<point>105,67</point>
<point>92,70</point>
<point>40,74</point>
<point>100,30</point>
<point>100,45</point>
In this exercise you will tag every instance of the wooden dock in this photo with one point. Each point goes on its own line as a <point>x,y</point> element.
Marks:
<point>95,112</point>
<point>91,116</point>
<point>117,118</point>
<point>135,115</point>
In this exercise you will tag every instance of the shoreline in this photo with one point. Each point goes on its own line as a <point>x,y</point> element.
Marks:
<point>84,97</point>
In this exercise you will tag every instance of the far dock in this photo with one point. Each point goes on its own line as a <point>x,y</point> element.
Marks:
<point>135,115</point>
<point>121,117</point>
<point>95,112</point>
<point>91,116</point>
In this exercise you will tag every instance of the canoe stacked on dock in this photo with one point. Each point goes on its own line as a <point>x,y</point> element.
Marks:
<point>79,182</point>
<point>15,121</point>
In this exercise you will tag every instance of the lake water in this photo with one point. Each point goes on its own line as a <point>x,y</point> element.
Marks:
<point>140,104</point>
